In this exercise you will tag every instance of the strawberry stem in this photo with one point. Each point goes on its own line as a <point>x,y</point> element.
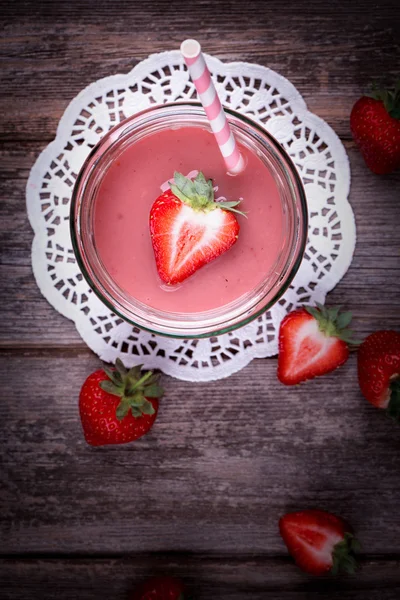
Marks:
<point>143,379</point>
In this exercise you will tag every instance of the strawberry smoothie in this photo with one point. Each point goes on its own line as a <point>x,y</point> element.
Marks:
<point>121,221</point>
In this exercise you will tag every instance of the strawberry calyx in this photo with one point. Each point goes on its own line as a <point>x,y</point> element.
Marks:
<point>390,99</point>
<point>133,388</point>
<point>199,194</point>
<point>333,323</point>
<point>343,555</point>
<point>393,409</point>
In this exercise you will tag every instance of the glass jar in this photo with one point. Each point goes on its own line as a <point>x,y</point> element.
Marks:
<point>201,324</point>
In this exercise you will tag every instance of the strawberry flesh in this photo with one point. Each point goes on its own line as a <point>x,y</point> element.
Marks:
<point>184,239</point>
<point>305,351</point>
<point>314,538</point>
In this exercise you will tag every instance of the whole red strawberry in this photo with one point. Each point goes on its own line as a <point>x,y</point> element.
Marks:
<point>375,126</point>
<point>189,229</point>
<point>320,542</point>
<point>118,406</point>
<point>312,342</point>
<point>379,370</point>
<point>160,588</point>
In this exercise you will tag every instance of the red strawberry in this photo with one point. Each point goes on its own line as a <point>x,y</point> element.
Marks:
<point>312,342</point>
<point>375,125</point>
<point>319,542</point>
<point>118,406</point>
<point>379,371</point>
<point>160,588</point>
<point>188,229</point>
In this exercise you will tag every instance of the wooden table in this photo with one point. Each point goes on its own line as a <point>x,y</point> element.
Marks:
<point>201,495</point>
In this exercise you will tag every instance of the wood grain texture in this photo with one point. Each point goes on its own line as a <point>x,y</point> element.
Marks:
<point>223,462</point>
<point>54,49</point>
<point>250,578</point>
<point>201,495</point>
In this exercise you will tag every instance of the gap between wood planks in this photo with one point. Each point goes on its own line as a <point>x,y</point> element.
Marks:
<point>175,555</point>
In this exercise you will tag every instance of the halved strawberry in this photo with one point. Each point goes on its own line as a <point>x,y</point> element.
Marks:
<point>379,370</point>
<point>312,342</point>
<point>320,542</point>
<point>189,229</point>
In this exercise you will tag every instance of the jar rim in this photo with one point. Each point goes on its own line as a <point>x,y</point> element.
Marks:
<point>187,325</point>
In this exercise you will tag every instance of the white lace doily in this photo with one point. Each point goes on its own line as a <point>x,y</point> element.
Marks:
<point>250,89</point>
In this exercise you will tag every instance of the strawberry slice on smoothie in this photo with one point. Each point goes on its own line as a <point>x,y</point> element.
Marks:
<point>189,229</point>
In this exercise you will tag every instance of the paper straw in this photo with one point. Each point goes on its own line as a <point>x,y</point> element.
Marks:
<point>201,77</point>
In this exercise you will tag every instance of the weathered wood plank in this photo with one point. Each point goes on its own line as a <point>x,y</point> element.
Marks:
<point>330,51</point>
<point>223,462</point>
<point>371,288</point>
<point>224,459</point>
<point>223,578</point>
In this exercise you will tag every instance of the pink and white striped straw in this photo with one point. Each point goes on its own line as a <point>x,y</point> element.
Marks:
<point>201,77</point>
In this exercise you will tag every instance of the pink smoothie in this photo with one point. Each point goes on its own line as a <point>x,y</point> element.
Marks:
<point>121,217</point>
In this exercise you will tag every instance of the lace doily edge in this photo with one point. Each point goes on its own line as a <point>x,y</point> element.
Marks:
<point>56,301</point>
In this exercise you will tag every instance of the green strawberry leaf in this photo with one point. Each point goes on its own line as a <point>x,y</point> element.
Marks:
<point>135,372</point>
<point>355,545</point>
<point>110,388</point>
<point>347,336</point>
<point>123,408</point>
<point>395,112</point>
<point>200,177</point>
<point>177,192</point>
<point>119,365</point>
<point>228,204</point>
<point>199,194</point>
<point>132,387</point>
<point>390,99</point>
<point>136,412</point>
<point>147,408</point>
<point>333,313</point>
<point>153,391</point>
<point>333,323</point>
<point>204,188</point>
<point>110,373</point>
<point>137,399</point>
<point>184,185</point>
<point>180,180</point>
<point>343,320</point>
<point>314,312</point>
<point>343,555</point>
<point>230,207</point>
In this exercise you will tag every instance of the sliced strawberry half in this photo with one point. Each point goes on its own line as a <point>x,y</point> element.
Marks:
<point>189,229</point>
<point>320,542</point>
<point>312,342</point>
